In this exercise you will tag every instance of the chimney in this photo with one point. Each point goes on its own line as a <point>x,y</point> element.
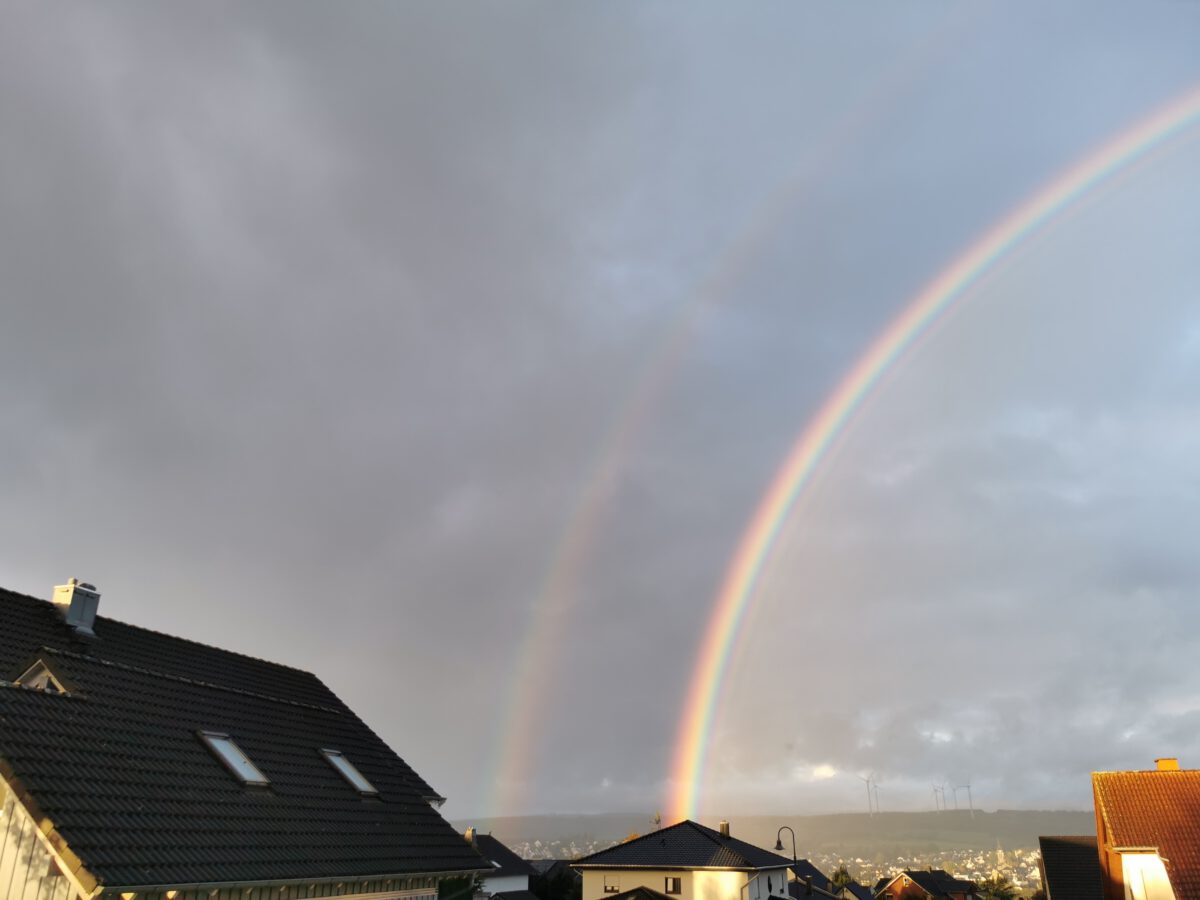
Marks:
<point>469,834</point>
<point>1167,764</point>
<point>77,602</point>
<point>724,828</point>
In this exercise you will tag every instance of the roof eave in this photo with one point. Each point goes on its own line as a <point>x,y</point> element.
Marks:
<point>281,882</point>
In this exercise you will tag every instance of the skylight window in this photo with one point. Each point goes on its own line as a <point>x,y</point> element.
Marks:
<point>237,762</point>
<point>346,769</point>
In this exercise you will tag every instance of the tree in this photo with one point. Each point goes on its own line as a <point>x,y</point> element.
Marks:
<point>841,875</point>
<point>996,887</point>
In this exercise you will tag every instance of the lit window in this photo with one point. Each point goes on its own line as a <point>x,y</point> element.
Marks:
<point>674,885</point>
<point>224,749</point>
<point>346,769</point>
<point>612,884</point>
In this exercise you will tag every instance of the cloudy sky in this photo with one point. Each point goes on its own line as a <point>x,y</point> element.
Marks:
<point>446,350</point>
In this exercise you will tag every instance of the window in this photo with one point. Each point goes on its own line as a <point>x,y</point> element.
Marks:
<point>224,749</point>
<point>612,884</point>
<point>346,769</point>
<point>38,677</point>
<point>674,885</point>
<point>770,887</point>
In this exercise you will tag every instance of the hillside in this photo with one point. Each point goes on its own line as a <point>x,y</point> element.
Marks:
<point>847,834</point>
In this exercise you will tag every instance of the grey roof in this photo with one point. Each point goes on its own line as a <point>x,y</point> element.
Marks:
<point>118,768</point>
<point>805,869</point>
<point>1071,867</point>
<point>504,861</point>
<point>858,891</point>
<point>686,845</point>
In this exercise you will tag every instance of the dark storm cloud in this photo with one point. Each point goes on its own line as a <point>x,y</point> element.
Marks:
<point>316,319</point>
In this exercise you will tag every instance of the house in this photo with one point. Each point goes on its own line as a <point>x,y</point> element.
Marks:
<point>1148,832</point>
<point>687,861</point>
<point>926,884</point>
<point>807,879</point>
<point>1070,867</point>
<point>508,877</point>
<point>852,890</point>
<point>139,766</point>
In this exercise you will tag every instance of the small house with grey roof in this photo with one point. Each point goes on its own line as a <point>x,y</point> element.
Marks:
<point>139,766</point>
<point>687,861</point>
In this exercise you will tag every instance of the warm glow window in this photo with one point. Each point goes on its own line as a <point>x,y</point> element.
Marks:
<point>237,762</point>
<point>346,769</point>
<point>674,886</point>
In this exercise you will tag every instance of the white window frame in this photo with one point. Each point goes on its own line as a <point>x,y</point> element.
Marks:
<point>234,758</point>
<point>349,772</point>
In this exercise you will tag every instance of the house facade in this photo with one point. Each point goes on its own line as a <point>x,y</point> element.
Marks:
<point>926,884</point>
<point>687,861</point>
<point>140,766</point>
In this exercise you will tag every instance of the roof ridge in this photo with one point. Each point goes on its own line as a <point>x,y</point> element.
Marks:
<point>173,637</point>
<point>192,681</point>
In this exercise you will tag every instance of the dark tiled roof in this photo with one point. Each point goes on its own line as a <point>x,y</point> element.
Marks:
<point>1158,809</point>
<point>516,895</point>
<point>858,891</point>
<point>686,845</point>
<point>882,883</point>
<point>937,882</point>
<point>805,869</point>
<point>504,861</point>
<point>1070,867</point>
<point>551,869</point>
<point>640,893</point>
<point>119,770</point>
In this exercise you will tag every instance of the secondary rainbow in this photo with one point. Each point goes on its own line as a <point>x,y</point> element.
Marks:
<point>930,304</point>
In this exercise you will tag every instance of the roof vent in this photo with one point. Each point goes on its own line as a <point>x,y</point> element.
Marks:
<point>77,603</point>
<point>724,828</point>
<point>1167,764</point>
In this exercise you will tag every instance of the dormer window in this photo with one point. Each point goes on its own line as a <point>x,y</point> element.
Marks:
<point>237,762</point>
<point>346,769</point>
<point>38,677</point>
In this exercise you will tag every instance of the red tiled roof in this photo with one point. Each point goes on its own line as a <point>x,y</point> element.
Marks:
<point>1158,809</point>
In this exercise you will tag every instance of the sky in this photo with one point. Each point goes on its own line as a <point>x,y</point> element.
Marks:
<point>446,350</point>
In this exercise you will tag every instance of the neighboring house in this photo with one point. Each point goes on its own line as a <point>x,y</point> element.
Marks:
<point>1148,832</point>
<point>139,766</point>
<point>509,875</point>
<point>687,861</point>
<point>1070,867</point>
<point>852,890</point>
<point>926,884</point>
<point>805,875</point>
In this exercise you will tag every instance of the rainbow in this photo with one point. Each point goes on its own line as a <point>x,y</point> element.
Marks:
<point>919,314</point>
<point>528,683</point>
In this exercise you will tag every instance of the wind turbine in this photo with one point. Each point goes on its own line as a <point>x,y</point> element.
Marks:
<point>876,789</point>
<point>867,781</point>
<point>970,802</point>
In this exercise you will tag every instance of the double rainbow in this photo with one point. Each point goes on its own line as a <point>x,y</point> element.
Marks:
<point>950,285</point>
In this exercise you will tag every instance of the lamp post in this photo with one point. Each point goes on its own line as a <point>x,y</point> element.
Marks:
<point>779,840</point>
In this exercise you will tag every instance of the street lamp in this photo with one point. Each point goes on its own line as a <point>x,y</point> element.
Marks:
<point>779,840</point>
